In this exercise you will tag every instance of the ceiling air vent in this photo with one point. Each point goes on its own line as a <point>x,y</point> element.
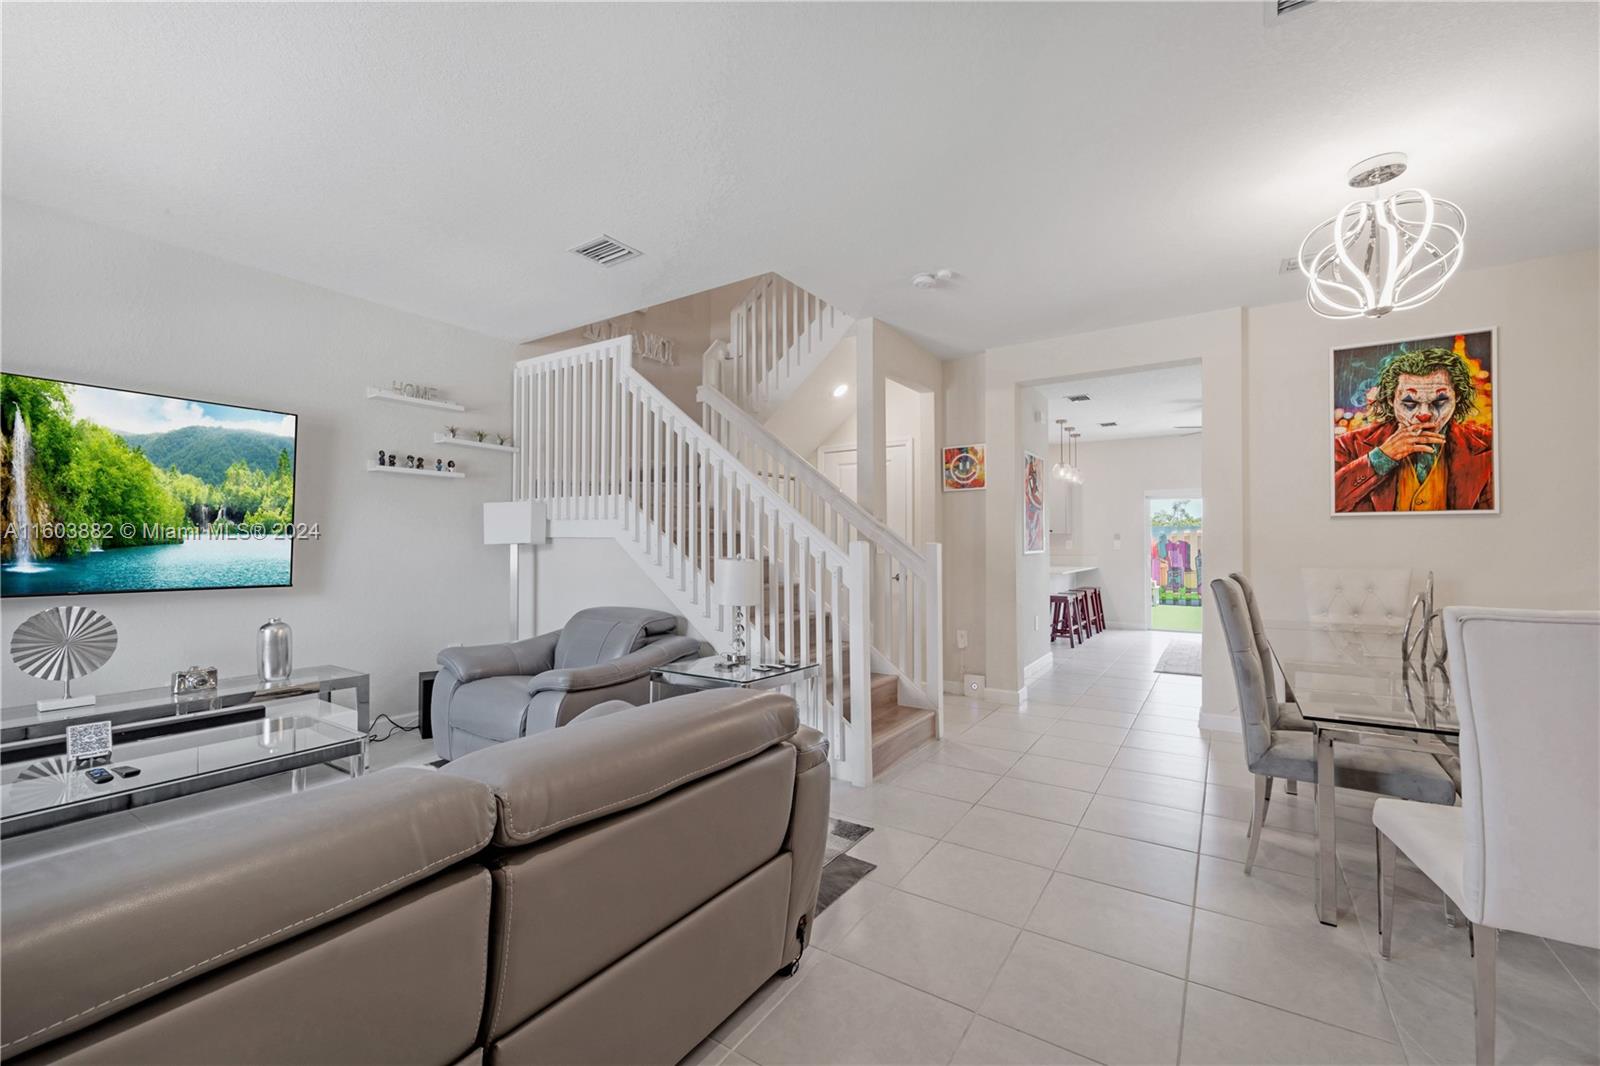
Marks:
<point>1107,425</point>
<point>1078,398</point>
<point>607,251</point>
<point>1276,9</point>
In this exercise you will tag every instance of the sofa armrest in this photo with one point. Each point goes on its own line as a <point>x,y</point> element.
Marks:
<point>629,667</point>
<point>811,748</point>
<point>474,661</point>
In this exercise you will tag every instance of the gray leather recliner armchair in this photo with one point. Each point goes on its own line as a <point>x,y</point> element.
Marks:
<point>486,694</point>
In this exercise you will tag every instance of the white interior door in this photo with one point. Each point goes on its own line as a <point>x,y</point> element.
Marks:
<point>839,467</point>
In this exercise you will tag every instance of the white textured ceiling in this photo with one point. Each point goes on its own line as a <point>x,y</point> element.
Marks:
<point>1142,403</point>
<point>1077,165</point>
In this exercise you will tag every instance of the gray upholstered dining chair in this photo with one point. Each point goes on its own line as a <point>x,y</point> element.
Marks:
<point>1272,751</point>
<point>1521,852</point>
<point>1287,715</point>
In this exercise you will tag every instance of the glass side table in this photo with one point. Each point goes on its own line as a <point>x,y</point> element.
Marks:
<point>802,680</point>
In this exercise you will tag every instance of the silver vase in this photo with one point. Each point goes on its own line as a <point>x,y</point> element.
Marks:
<point>273,641</point>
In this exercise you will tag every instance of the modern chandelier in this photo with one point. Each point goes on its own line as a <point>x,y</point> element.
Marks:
<point>1066,468</point>
<point>1382,254</point>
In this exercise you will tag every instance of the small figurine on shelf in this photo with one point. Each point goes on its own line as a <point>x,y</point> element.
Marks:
<point>438,464</point>
<point>450,430</point>
<point>380,456</point>
<point>450,466</point>
<point>391,458</point>
<point>411,462</point>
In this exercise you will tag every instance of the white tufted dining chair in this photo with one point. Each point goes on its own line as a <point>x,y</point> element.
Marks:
<point>1357,597</point>
<point>1522,852</point>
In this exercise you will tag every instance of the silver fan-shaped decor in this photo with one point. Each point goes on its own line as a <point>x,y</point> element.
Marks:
<point>63,643</point>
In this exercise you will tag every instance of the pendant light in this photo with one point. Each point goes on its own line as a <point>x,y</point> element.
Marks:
<point>1072,456</point>
<point>1066,468</point>
<point>1381,255</point>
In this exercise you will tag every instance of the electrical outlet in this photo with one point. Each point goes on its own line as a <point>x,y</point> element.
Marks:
<point>961,639</point>
<point>972,684</point>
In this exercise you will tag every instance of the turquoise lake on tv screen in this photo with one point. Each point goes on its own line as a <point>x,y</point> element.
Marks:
<point>201,563</point>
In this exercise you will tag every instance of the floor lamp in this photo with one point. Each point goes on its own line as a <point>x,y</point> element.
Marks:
<point>514,524</point>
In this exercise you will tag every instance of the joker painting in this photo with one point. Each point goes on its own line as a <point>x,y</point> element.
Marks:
<point>1414,426</point>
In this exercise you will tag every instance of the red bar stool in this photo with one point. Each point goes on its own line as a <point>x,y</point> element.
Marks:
<point>1097,609</point>
<point>1079,618</point>
<point>1061,618</point>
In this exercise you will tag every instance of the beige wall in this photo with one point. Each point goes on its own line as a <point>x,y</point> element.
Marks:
<point>400,570</point>
<point>1542,549</point>
<point>1265,460</point>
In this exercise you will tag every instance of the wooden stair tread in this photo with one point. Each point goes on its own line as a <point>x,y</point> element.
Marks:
<point>897,731</point>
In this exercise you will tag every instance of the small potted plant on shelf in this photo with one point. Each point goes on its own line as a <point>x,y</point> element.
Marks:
<point>480,434</point>
<point>451,430</point>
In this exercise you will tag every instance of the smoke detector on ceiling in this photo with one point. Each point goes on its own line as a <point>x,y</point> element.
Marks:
<point>931,281</point>
<point>607,251</point>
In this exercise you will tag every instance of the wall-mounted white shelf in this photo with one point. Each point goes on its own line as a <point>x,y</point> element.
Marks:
<point>375,393</point>
<point>373,467</point>
<point>462,442</point>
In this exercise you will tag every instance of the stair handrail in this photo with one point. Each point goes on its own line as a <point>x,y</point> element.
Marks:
<point>839,554</point>
<point>798,468</point>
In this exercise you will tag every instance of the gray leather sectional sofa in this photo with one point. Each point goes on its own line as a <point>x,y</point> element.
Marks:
<point>489,693</point>
<point>608,892</point>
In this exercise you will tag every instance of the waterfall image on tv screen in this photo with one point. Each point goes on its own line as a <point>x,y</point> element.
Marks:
<point>107,490</point>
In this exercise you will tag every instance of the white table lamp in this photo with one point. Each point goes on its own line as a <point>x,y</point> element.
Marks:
<point>739,584</point>
<point>515,523</point>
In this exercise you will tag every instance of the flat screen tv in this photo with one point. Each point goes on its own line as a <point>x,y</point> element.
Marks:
<point>108,490</point>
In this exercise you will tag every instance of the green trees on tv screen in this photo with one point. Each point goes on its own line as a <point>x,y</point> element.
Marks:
<point>82,475</point>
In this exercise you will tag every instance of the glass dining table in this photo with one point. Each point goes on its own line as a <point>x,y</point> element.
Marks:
<point>1355,686</point>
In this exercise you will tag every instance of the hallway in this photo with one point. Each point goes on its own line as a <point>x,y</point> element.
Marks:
<point>1063,882</point>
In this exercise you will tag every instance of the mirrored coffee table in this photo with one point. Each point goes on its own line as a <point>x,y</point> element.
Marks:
<point>289,735</point>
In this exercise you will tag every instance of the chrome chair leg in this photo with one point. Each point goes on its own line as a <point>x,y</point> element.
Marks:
<point>1258,817</point>
<point>1485,943</point>
<point>1386,859</point>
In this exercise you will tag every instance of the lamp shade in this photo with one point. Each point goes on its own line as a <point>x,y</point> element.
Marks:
<point>739,582</point>
<point>515,522</point>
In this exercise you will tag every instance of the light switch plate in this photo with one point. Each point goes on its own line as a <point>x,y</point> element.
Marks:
<point>961,639</point>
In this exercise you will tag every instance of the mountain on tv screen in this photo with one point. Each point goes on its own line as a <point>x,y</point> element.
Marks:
<point>107,490</point>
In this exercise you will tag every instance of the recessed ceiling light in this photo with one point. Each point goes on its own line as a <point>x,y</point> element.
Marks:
<point>840,389</point>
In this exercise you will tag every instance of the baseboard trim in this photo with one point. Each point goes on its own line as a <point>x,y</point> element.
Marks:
<point>1039,666</point>
<point>1003,695</point>
<point>1221,723</point>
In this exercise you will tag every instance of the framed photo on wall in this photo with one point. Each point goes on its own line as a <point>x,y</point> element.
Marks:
<point>1033,537</point>
<point>1415,428</point>
<point>964,468</point>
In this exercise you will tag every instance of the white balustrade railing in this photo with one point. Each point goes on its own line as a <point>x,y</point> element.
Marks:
<point>777,334</point>
<point>597,442</point>
<point>907,628</point>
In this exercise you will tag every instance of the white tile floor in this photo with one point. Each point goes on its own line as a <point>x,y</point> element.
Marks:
<point>1062,882</point>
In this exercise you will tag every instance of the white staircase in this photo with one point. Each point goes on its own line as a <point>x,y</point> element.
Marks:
<point>611,456</point>
<point>777,335</point>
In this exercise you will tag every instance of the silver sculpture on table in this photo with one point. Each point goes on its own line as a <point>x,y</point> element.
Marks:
<point>1423,653</point>
<point>63,643</point>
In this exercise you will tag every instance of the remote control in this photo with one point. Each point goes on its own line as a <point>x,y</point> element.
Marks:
<point>99,775</point>
<point>125,771</point>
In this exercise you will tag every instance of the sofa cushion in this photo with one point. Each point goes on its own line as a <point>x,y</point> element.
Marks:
<point>596,634</point>
<point>558,779</point>
<point>86,934</point>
